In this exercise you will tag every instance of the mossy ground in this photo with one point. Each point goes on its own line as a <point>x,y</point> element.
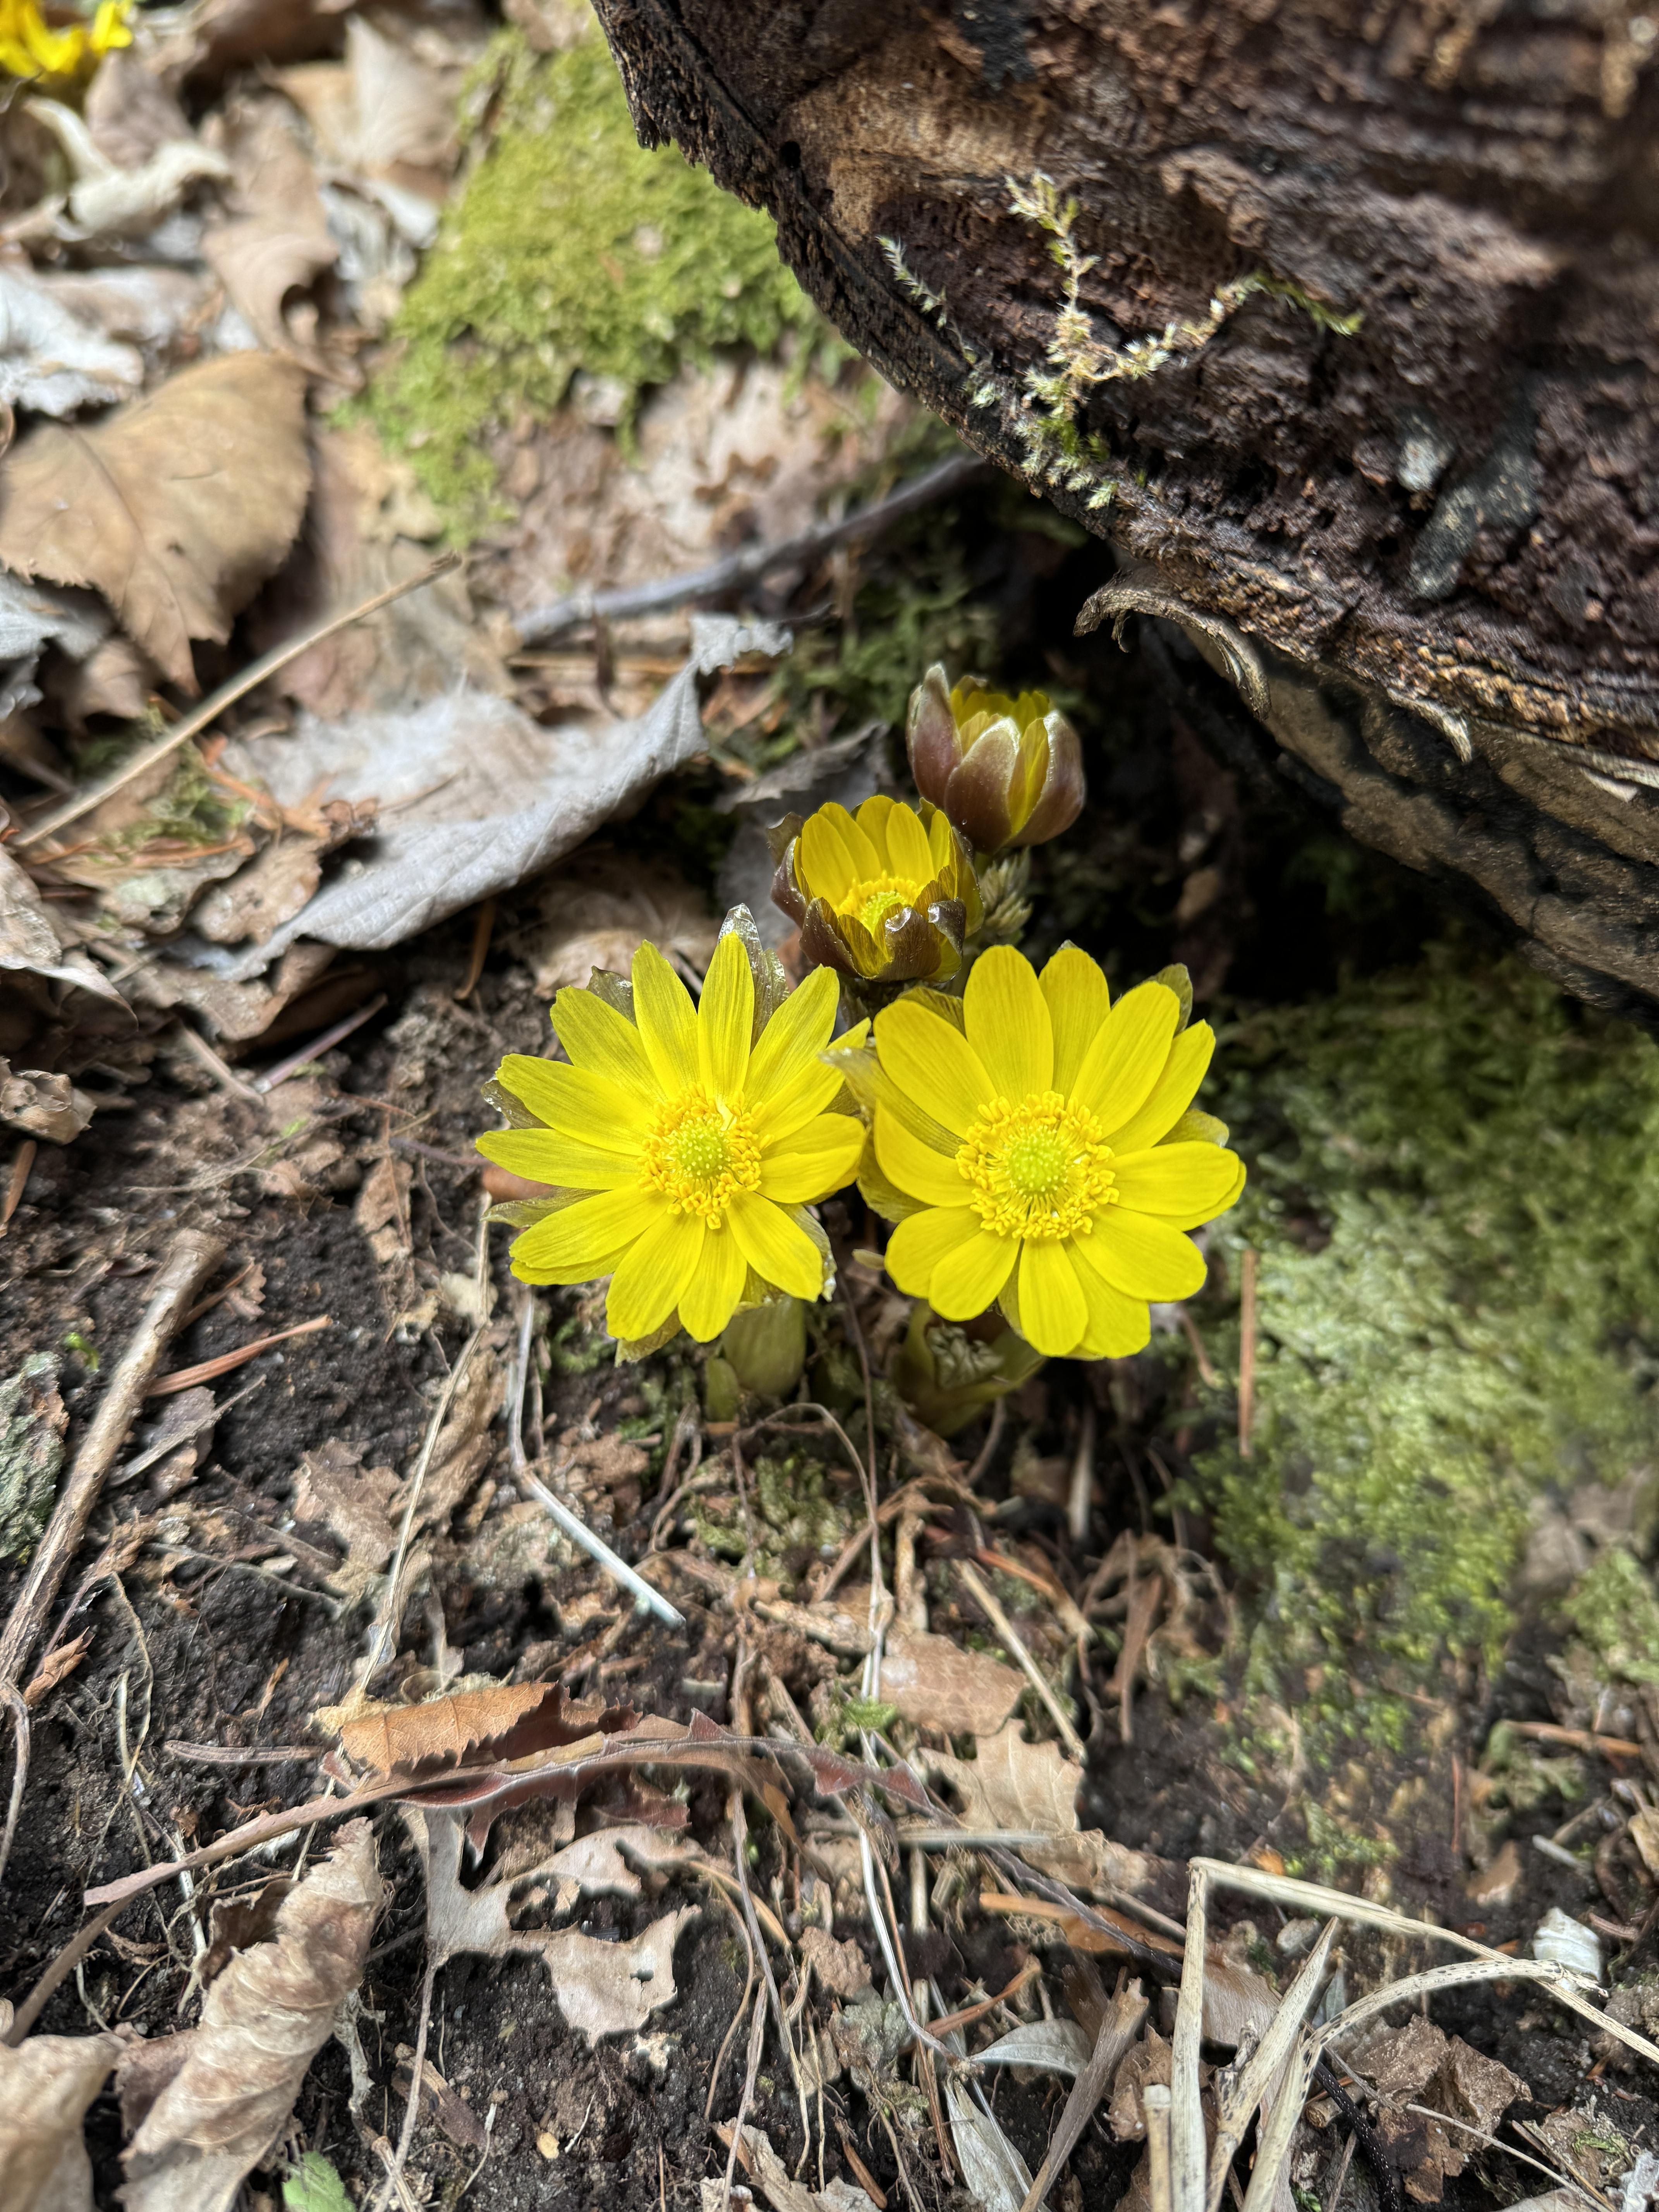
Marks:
<point>1453,1201</point>
<point>568,248</point>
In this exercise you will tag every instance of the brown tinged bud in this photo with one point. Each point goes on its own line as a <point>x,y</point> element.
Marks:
<point>885,896</point>
<point>1007,772</point>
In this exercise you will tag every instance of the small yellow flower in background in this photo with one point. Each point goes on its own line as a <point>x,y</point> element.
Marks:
<point>885,895</point>
<point>700,1145</point>
<point>1047,1148</point>
<point>1007,772</point>
<point>30,48</point>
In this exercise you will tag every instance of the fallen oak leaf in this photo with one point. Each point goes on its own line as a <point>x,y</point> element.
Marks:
<point>263,2021</point>
<point>603,1988</point>
<point>177,506</point>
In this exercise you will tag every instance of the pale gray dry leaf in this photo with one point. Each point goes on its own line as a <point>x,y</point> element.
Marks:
<point>764,2166</point>
<point>236,1010</point>
<point>153,307</point>
<point>53,361</point>
<point>131,112</point>
<point>602,1988</point>
<point>606,1864</point>
<point>992,2169</point>
<point>484,797</point>
<point>41,1104</point>
<point>932,1680</point>
<point>1012,1783</point>
<point>1059,2045</point>
<point>108,202</point>
<point>46,2084</point>
<point>263,2021</point>
<point>387,117</point>
<point>177,508</point>
<point>32,616</point>
<point>29,941</point>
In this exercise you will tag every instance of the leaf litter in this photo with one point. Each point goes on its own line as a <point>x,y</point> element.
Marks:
<point>919,1903</point>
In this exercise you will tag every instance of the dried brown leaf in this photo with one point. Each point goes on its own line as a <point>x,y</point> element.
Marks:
<point>763,2164</point>
<point>842,1967</point>
<point>263,2021</point>
<point>277,239</point>
<point>357,1502</point>
<point>1012,1783</point>
<point>603,1988</point>
<point>176,507</point>
<point>1420,2064</point>
<point>57,1666</point>
<point>474,1728</point>
<point>933,1681</point>
<point>45,2086</point>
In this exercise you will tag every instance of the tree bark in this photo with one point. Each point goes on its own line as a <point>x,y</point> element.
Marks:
<point>1341,318</point>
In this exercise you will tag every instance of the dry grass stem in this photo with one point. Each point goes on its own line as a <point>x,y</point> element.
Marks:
<point>985,1599</point>
<point>1155,2103</point>
<point>1247,1354</point>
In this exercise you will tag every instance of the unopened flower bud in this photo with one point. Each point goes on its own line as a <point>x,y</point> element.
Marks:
<point>1007,772</point>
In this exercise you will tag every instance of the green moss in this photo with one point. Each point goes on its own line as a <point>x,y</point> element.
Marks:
<point>1612,1609</point>
<point>1453,1199</point>
<point>568,247</point>
<point>793,1512</point>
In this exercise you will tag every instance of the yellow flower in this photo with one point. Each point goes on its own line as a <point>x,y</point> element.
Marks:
<point>1008,772</point>
<point>30,49</point>
<point>1048,1148</point>
<point>885,895</point>
<point>701,1146</point>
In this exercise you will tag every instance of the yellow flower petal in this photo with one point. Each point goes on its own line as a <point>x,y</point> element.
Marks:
<point>667,1022</point>
<point>582,1241</point>
<point>1052,1306</point>
<point>1079,999</point>
<point>1172,1093</point>
<point>1118,1325</point>
<point>1144,1257</point>
<point>972,1277</point>
<point>651,1275</point>
<point>941,1071</point>
<point>813,1091</point>
<point>726,1020</point>
<point>549,1156</point>
<point>824,862</point>
<point>710,1298</point>
<point>792,1041</point>
<point>907,852</point>
<point>590,1107</point>
<point>941,846</point>
<point>774,1247</point>
<point>920,1124</point>
<point>814,1161</point>
<point>1006,1019</point>
<point>599,1039</point>
<point>1235,1191</point>
<point>927,1241</point>
<point>1128,1055</point>
<point>1192,1181</point>
<point>916,1168</point>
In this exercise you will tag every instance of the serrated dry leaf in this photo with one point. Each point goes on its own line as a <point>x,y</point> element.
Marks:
<point>177,508</point>
<point>933,1681</point>
<point>263,2021</point>
<point>472,1727</point>
<point>603,1988</point>
<point>1012,1783</point>
<point>46,2084</point>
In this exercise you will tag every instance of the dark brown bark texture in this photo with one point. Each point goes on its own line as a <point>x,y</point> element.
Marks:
<point>1427,549</point>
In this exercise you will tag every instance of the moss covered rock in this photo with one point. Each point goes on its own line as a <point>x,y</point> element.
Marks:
<point>1454,1199</point>
<point>568,248</point>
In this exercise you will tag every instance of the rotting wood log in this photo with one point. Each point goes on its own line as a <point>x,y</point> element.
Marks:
<point>1339,318</point>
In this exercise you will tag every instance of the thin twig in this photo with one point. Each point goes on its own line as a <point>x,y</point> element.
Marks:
<point>20,1770</point>
<point>319,1045</point>
<point>1117,2032</point>
<point>208,1371</point>
<point>542,623</point>
<point>1155,2103</point>
<point>598,1550</point>
<point>193,1258</point>
<point>59,1971</point>
<point>214,705</point>
<point>1083,1478</point>
<point>394,2182</point>
<point>1004,1628</point>
<point>222,1074</point>
<point>987,1451</point>
<point>1247,1354</point>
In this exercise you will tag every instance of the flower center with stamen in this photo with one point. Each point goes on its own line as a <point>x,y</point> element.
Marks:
<point>700,1154</point>
<point>871,901</point>
<point>1037,1168</point>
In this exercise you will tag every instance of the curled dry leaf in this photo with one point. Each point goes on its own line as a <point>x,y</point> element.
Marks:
<point>263,2021</point>
<point>277,240</point>
<point>357,1503</point>
<point>934,1681</point>
<point>45,2086</point>
<point>603,1988</point>
<point>1015,1784</point>
<point>1420,2064</point>
<point>842,1967</point>
<point>29,941</point>
<point>53,361</point>
<point>110,201</point>
<point>600,909</point>
<point>474,1727</point>
<point>763,2166</point>
<point>176,507</point>
<point>42,1104</point>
